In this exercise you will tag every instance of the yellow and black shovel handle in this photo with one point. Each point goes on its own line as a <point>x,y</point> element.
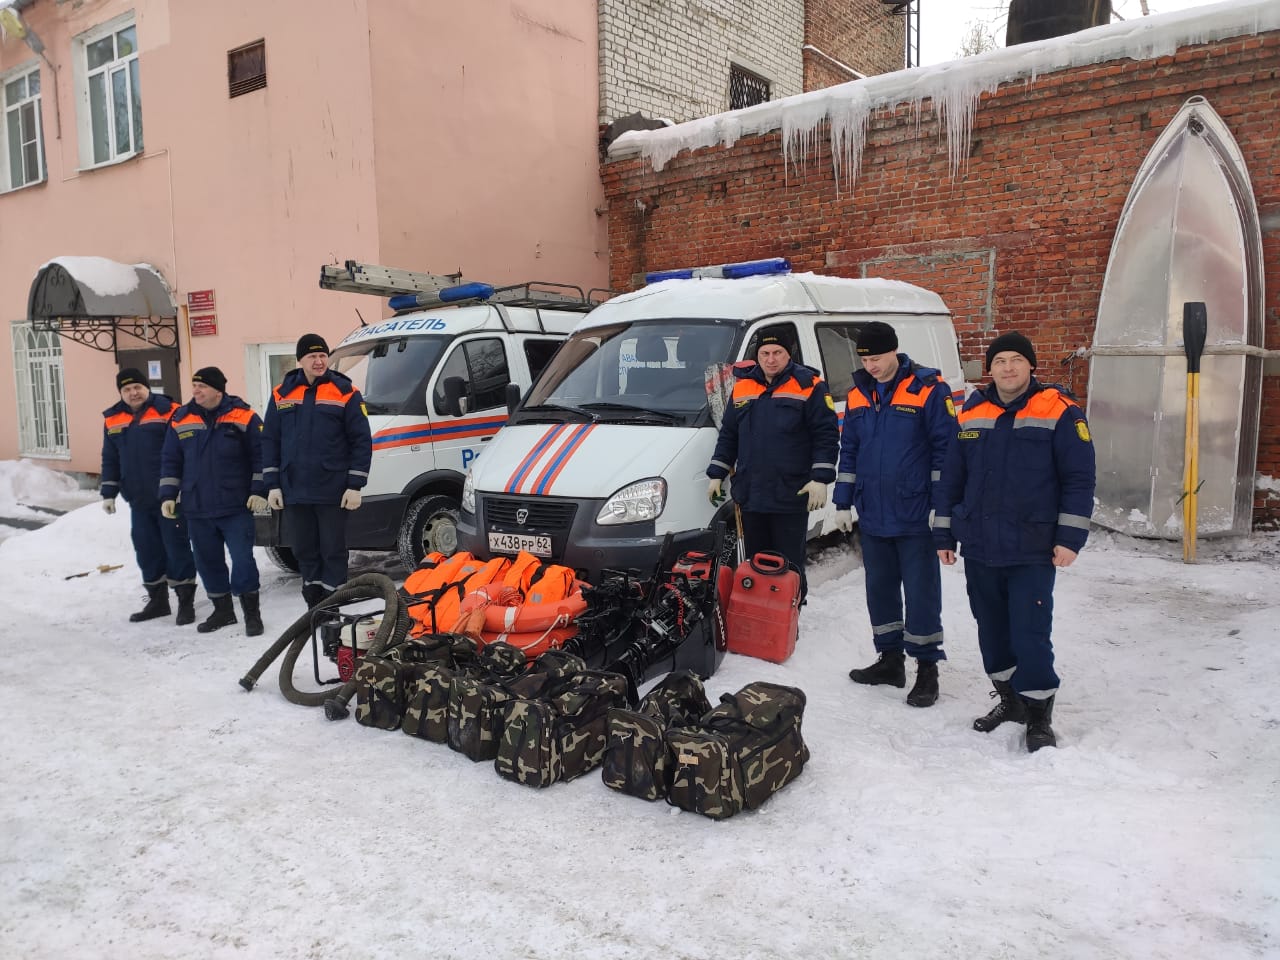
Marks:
<point>1195,329</point>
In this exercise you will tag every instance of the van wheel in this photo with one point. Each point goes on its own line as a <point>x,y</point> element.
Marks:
<point>283,558</point>
<point>430,524</point>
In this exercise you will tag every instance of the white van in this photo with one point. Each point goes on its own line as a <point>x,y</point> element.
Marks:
<point>608,452</point>
<point>436,383</point>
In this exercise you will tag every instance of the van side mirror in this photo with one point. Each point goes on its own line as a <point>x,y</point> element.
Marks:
<point>455,391</point>
<point>513,397</point>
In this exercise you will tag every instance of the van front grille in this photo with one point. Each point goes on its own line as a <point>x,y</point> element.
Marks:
<point>544,514</point>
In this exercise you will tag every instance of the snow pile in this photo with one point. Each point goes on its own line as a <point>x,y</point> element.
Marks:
<point>25,487</point>
<point>153,809</point>
<point>954,88</point>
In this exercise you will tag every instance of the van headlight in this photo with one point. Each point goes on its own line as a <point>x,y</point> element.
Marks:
<point>635,503</point>
<point>469,494</point>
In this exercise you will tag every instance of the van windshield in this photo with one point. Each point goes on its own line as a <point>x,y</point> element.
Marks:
<point>649,372</point>
<point>391,373</point>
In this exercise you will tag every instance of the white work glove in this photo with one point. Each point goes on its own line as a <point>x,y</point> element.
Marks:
<point>844,521</point>
<point>169,509</point>
<point>714,493</point>
<point>109,505</point>
<point>256,503</point>
<point>817,493</point>
<point>275,499</point>
<point>351,500</point>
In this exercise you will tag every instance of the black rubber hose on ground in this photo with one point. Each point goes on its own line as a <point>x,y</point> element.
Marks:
<point>395,624</point>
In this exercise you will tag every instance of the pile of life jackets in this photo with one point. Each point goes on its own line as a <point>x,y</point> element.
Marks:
<point>524,601</point>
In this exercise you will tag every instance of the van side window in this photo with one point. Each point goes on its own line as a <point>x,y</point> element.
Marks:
<point>838,344</point>
<point>538,353</point>
<point>483,365</point>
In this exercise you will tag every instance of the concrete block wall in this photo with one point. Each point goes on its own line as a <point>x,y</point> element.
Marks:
<point>670,58</point>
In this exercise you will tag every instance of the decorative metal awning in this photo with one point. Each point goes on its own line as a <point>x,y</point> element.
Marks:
<point>93,300</point>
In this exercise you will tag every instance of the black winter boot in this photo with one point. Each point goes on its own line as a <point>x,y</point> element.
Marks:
<point>252,616</point>
<point>1039,733</point>
<point>157,604</point>
<point>924,693</point>
<point>224,614</point>
<point>186,603</point>
<point>1009,708</point>
<point>312,594</point>
<point>890,667</point>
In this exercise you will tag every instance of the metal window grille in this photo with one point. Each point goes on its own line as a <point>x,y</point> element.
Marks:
<point>247,68</point>
<point>42,403</point>
<point>746,89</point>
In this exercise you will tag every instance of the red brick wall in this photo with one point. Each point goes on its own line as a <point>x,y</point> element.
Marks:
<point>1019,239</point>
<point>859,33</point>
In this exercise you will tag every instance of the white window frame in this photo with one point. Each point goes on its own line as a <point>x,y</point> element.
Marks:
<point>42,400</point>
<point>127,67</point>
<point>34,102</point>
<point>259,381</point>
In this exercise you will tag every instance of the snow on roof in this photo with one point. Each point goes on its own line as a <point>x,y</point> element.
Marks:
<point>955,88</point>
<point>107,278</point>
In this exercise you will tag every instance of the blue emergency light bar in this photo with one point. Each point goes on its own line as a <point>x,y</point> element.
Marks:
<point>727,271</point>
<point>464,291</point>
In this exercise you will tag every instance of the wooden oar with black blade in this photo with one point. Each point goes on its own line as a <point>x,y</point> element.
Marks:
<point>1195,329</point>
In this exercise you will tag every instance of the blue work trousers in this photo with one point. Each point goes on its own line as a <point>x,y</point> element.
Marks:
<point>209,535</point>
<point>317,535</point>
<point>898,566</point>
<point>161,546</point>
<point>783,533</point>
<point>1014,610</point>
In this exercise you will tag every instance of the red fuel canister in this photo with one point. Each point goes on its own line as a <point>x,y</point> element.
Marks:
<point>763,615</point>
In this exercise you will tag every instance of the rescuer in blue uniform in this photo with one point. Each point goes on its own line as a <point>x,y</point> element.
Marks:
<point>213,457</point>
<point>1017,493</point>
<point>316,454</point>
<point>779,437</point>
<point>898,424</point>
<point>133,432</point>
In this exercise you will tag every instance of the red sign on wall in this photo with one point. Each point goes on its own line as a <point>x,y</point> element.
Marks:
<point>201,313</point>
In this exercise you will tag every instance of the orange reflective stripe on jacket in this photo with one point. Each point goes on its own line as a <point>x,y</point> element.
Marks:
<point>747,389</point>
<point>326,393</point>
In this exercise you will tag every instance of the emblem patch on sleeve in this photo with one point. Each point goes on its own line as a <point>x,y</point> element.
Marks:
<point>951,408</point>
<point>1082,431</point>
<point>831,404</point>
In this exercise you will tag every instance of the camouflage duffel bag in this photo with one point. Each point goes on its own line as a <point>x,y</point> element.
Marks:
<point>427,684</point>
<point>582,705</point>
<point>474,719</point>
<point>380,691</point>
<point>636,760</point>
<point>529,751</point>
<point>741,753</point>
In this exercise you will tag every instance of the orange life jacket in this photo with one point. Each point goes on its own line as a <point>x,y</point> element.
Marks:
<point>440,583</point>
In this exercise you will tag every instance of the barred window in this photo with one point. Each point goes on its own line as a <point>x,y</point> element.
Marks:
<point>42,405</point>
<point>746,89</point>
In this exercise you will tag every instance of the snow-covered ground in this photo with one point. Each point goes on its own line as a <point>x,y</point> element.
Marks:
<point>152,808</point>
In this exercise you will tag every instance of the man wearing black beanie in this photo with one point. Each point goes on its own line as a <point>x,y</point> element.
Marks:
<point>898,423</point>
<point>779,439</point>
<point>317,449</point>
<point>212,460</point>
<point>133,434</point>
<point>1016,493</point>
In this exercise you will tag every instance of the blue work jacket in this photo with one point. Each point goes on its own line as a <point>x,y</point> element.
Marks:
<point>131,445</point>
<point>776,437</point>
<point>316,440</point>
<point>892,449</point>
<point>213,458</point>
<point>1018,479</point>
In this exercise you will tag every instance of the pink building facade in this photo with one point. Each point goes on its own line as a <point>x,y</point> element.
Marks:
<point>237,147</point>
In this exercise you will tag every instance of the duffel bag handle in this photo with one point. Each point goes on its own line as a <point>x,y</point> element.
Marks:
<point>768,563</point>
